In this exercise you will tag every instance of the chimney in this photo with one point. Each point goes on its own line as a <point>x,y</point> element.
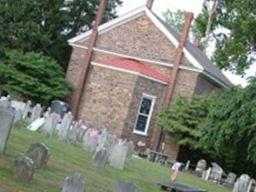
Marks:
<point>150,4</point>
<point>89,52</point>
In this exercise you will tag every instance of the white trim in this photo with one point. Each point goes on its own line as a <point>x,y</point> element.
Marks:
<point>128,71</point>
<point>111,24</point>
<point>154,62</point>
<point>153,99</point>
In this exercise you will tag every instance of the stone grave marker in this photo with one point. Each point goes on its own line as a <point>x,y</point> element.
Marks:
<point>50,125</point>
<point>201,166</point>
<point>6,122</point>
<point>5,102</point>
<point>39,153</point>
<point>80,130</point>
<point>122,186</point>
<point>36,113</point>
<point>65,125</point>
<point>18,117</point>
<point>118,156</point>
<point>100,157</point>
<point>230,180</point>
<point>216,173</point>
<point>26,109</point>
<point>242,184</point>
<point>73,184</point>
<point>24,169</point>
<point>130,149</point>
<point>90,141</point>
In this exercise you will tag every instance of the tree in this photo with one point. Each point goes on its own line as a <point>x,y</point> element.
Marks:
<point>183,118</point>
<point>175,19</point>
<point>230,130</point>
<point>45,26</point>
<point>32,76</point>
<point>233,30</point>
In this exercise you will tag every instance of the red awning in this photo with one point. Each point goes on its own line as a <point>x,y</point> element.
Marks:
<point>135,67</point>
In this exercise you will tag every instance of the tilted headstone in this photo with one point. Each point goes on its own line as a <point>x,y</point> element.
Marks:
<point>26,109</point>
<point>100,157</point>
<point>90,141</point>
<point>80,130</point>
<point>65,125</point>
<point>18,116</point>
<point>125,187</point>
<point>216,172</point>
<point>118,156</point>
<point>39,153</point>
<point>230,180</point>
<point>242,184</point>
<point>130,149</point>
<point>24,169</point>
<point>36,113</point>
<point>6,122</point>
<point>201,166</point>
<point>50,124</point>
<point>73,184</point>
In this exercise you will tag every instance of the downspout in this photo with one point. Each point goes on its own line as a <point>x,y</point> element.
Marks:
<point>87,62</point>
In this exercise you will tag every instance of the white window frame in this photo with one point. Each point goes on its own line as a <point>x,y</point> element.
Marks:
<point>153,98</point>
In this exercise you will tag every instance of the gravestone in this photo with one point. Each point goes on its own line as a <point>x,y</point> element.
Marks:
<point>26,109</point>
<point>6,122</point>
<point>216,173</point>
<point>90,141</point>
<point>50,124</point>
<point>100,157</point>
<point>65,125</point>
<point>230,180</point>
<point>24,169</point>
<point>200,166</point>
<point>122,186</point>
<point>118,156</point>
<point>130,149</point>
<point>80,130</point>
<point>18,117</point>
<point>36,113</point>
<point>5,102</point>
<point>242,184</point>
<point>73,184</point>
<point>39,153</point>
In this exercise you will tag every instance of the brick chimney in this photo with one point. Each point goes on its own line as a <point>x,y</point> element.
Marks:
<point>78,93</point>
<point>150,4</point>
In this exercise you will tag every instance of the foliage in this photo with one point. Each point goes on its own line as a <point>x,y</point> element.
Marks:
<point>45,26</point>
<point>183,118</point>
<point>230,130</point>
<point>32,76</point>
<point>233,30</point>
<point>175,19</point>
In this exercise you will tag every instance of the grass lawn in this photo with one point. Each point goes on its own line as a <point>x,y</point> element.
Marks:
<point>67,159</point>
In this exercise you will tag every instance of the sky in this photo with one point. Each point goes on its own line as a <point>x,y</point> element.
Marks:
<point>194,6</point>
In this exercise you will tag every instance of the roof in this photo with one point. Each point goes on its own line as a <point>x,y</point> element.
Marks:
<point>207,65</point>
<point>195,56</point>
<point>135,67</point>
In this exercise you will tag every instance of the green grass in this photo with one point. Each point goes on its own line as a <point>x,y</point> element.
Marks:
<point>67,159</point>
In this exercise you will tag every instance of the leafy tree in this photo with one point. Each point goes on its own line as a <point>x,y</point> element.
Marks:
<point>175,19</point>
<point>45,26</point>
<point>183,118</point>
<point>32,76</point>
<point>230,130</point>
<point>233,29</point>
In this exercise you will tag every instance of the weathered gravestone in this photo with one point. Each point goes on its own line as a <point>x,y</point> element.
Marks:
<point>24,169</point>
<point>36,113</point>
<point>18,117</point>
<point>200,166</point>
<point>100,157</point>
<point>65,125</point>
<point>216,173</point>
<point>6,122</point>
<point>80,130</point>
<point>118,156</point>
<point>130,149</point>
<point>5,102</point>
<point>122,186</point>
<point>230,180</point>
<point>26,109</point>
<point>73,184</point>
<point>90,141</point>
<point>39,153</point>
<point>50,124</point>
<point>242,184</point>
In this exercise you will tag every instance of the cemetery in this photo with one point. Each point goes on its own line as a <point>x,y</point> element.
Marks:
<point>63,155</point>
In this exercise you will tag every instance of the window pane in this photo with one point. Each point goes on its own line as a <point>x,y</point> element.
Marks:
<point>145,106</point>
<point>141,123</point>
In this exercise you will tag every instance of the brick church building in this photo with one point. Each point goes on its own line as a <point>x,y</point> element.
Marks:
<point>130,66</point>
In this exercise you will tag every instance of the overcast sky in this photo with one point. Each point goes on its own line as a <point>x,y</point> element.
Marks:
<point>194,6</point>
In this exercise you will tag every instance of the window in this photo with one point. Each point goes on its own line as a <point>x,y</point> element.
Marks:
<point>144,114</point>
